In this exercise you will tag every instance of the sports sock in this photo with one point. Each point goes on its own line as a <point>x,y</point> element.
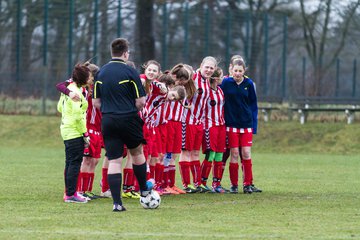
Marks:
<point>104,180</point>
<point>85,183</point>
<point>196,172</point>
<point>205,171</point>
<point>234,173</point>
<point>247,171</point>
<point>185,173</point>
<point>91,181</point>
<point>80,182</point>
<point>217,174</point>
<point>172,171</point>
<point>159,171</point>
<point>128,179</point>
<point>152,171</point>
<point>114,181</point>
<point>140,174</point>
<point>165,179</point>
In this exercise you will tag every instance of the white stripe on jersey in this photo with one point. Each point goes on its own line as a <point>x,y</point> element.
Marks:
<point>214,109</point>
<point>174,111</point>
<point>195,114</point>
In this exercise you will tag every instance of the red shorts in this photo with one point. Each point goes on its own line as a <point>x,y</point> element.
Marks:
<point>156,142</point>
<point>214,139</point>
<point>148,136</point>
<point>163,137</point>
<point>173,138</point>
<point>94,149</point>
<point>193,137</point>
<point>239,137</point>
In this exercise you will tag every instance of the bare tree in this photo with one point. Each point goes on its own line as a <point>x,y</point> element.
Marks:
<point>316,27</point>
<point>144,23</point>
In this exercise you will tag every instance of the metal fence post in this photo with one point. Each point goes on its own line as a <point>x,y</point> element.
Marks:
<point>265,57</point>
<point>284,58</point>
<point>70,39</point>
<point>119,19</point>
<point>186,33</point>
<point>354,79</point>
<point>228,38</point>
<point>45,43</point>
<point>96,13</point>
<point>18,39</point>
<point>164,35</point>
<point>337,84</point>
<point>207,30</point>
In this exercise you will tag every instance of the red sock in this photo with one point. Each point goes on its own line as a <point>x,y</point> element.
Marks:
<point>159,171</point>
<point>152,171</point>
<point>80,182</point>
<point>247,171</point>
<point>136,185</point>
<point>85,183</point>
<point>172,170</point>
<point>234,173</point>
<point>165,180</point>
<point>128,180</point>
<point>185,173</point>
<point>217,174</point>
<point>196,172</point>
<point>205,171</point>
<point>91,181</point>
<point>104,181</point>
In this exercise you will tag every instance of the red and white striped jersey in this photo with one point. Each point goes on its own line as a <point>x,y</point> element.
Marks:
<point>195,115</point>
<point>93,116</point>
<point>153,102</point>
<point>214,109</point>
<point>174,111</point>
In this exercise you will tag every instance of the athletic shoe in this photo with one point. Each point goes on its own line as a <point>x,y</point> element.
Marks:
<point>171,191</point>
<point>247,189</point>
<point>118,208</point>
<point>106,194</point>
<point>218,189</point>
<point>75,199</point>
<point>91,195</point>
<point>161,191</point>
<point>203,189</point>
<point>130,194</point>
<point>180,191</point>
<point>234,189</point>
<point>149,186</point>
<point>255,189</point>
<point>79,194</point>
<point>190,189</point>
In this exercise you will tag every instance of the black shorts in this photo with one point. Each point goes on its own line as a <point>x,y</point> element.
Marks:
<point>120,130</point>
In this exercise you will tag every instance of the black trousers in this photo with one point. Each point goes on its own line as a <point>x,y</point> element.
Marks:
<point>74,151</point>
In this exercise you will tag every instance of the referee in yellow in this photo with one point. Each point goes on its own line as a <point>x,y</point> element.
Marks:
<point>119,94</point>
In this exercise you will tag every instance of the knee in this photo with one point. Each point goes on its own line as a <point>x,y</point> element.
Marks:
<point>246,154</point>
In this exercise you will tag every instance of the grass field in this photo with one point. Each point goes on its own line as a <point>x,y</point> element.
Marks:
<point>310,176</point>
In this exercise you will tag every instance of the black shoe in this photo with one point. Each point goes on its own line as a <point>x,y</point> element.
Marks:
<point>234,189</point>
<point>118,208</point>
<point>190,190</point>
<point>247,189</point>
<point>203,189</point>
<point>255,189</point>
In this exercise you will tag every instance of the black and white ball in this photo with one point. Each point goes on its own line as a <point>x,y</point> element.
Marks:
<point>151,201</point>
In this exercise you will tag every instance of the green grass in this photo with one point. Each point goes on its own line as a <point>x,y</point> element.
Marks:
<point>309,174</point>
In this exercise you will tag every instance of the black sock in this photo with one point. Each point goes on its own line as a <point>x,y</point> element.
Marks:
<point>115,185</point>
<point>140,174</point>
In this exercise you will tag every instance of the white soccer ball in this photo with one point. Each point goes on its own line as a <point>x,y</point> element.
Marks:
<point>151,201</point>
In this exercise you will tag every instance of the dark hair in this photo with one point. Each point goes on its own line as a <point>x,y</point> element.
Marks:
<point>181,91</point>
<point>119,46</point>
<point>217,73</point>
<point>167,79</point>
<point>80,74</point>
<point>92,67</point>
<point>144,66</point>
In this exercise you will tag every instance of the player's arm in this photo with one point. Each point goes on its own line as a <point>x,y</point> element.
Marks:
<point>96,97</point>
<point>62,87</point>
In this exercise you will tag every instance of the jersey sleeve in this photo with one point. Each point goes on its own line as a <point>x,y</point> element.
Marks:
<point>253,106</point>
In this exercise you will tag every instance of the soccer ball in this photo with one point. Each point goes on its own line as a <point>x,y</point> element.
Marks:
<point>151,201</point>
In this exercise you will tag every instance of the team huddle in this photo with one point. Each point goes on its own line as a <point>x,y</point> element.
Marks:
<point>153,119</point>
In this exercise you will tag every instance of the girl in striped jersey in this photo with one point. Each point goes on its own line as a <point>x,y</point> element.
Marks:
<point>152,71</point>
<point>193,127</point>
<point>214,134</point>
<point>159,95</point>
<point>173,115</point>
